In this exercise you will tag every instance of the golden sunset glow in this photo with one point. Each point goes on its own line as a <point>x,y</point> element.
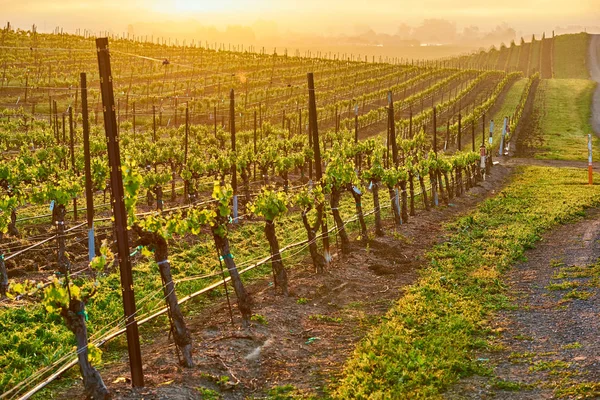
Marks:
<point>187,7</point>
<point>381,25</point>
<point>307,16</point>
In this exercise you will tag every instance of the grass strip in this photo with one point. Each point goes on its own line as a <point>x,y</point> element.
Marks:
<point>426,341</point>
<point>565,121</point>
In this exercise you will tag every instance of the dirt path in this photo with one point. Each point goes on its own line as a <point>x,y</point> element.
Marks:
<point>302,340</point>
<point>546,344</point>
<point>594,66</point>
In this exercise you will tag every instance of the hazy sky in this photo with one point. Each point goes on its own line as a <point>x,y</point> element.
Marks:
<point>317,16</point>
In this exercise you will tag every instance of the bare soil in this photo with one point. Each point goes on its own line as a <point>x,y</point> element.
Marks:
<point>547,343</point>
<point>304,339</point>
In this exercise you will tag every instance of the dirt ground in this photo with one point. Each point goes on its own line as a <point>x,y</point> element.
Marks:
<point>547,344</point>
<point>304,339</point>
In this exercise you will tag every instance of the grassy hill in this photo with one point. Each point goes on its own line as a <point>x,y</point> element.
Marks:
<point>562,57</point>
<point>570,56</point>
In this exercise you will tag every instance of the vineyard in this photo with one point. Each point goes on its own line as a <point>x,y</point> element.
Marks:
<point>225,172</point>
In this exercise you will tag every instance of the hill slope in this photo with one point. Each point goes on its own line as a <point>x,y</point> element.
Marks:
<point>563,57</point>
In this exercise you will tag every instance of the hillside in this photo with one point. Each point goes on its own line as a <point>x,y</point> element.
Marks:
<point>562,56</point>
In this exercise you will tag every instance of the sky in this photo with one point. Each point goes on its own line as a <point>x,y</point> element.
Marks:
<point>324,17</point>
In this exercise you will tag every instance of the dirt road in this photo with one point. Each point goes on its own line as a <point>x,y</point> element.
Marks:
<point>594,66</point>
<point>546,343</point>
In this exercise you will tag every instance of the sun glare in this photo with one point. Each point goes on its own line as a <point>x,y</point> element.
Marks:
<point>195,6</point>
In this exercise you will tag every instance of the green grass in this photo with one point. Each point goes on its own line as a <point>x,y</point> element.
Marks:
<point>564,122</point>
<point>426,341</point>
<point>511,386</point>
<point>570,56</point>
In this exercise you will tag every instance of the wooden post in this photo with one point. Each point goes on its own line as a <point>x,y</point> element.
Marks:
<point>120,214</point>
<point>434,130</point>
<point>176,110</point>
<point>483,130</point>
<point>590,168</point>
<point>64,131</point>
<point>89,195</point>
<point>447,138</point>
<point>234,166</point>
<point>153,124</point>
<point>185,153</point>
<point>50,109</point>
<point>215,118</point>
<point>459,131</point>
<point>56,129</point>
<point>254,163</point>
<point>358,160</point>
<point>473,134</point>
<point>312,118</point>
<point>72,151</point>
<point>392,129</point>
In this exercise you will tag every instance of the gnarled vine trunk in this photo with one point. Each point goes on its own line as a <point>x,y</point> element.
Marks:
<point>459,187</point>
<point>378,228</point>
<point>246,182</point>
<point>469,183</point>
<point>449,189</point>
<point>286,181</point>
<point>411,183</point>
<point>12,225</point>
<point>3,278</point>
<point>279,272</point>
<point>404,199</point>
<point>74,318</point>
<point>173,177</point>
<point>361,218</point>
<point>434,193</point>
<point>424,192</point>
<point>311,232</point>
<point>339,223</point>
<point>158,191</point>
<point>243,299</point>
<point>395,205</point>
<point>264,171</point>
<point>181,334</point>
<point>443,192</point>
<point>149,198</point>
<point>58,215</point>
